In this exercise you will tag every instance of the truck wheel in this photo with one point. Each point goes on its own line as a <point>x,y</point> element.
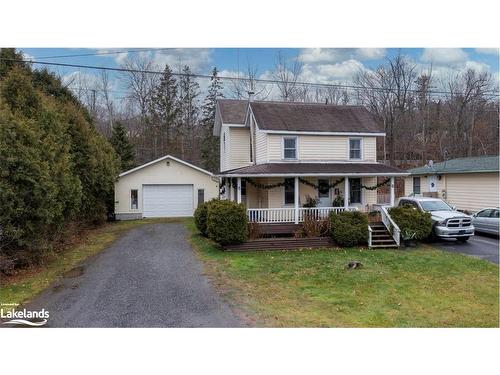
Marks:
<point>462,239</point>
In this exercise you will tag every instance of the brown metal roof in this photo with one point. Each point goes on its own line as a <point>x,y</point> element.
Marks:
<point>284,116</point>
<point>311,169</point>
<point>233,111</point>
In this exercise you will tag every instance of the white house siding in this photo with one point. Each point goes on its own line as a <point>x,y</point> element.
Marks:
<point>261,147</point>
<point>224,152</point>
<point>467,191</point>
<point>320,148</point>
<point>159,174</point>
<point>239,145</point>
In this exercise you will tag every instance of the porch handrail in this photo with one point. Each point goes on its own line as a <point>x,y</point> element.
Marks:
<point>370,230</point>
<point>287,214</point>
<point>391,226</point>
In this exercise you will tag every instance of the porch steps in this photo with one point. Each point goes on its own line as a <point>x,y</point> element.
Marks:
<point>281,244</point>
<point>381,236</point>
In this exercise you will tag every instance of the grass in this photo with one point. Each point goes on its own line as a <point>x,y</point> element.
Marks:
<point>24,287</point>
<point>424,287</point>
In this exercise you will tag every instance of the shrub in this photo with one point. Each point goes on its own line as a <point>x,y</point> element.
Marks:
<point>313,228</point>
<point>200,218</point>
<point>409,220</point>
<point>227,222</point>
<point>349,228</point>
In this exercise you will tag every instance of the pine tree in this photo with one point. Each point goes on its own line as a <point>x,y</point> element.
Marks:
<point>165,111</point>
<point>189,91</point>
<point>210,144</point>
<point>122,146</point>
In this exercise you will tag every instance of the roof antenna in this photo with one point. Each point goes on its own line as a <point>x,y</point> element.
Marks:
<point>250,95</point>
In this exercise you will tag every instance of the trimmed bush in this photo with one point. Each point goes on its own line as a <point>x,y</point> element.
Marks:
<point>349,228</point>
<point>227,222</point>
<point>410,220</point>
<point>200,218</point>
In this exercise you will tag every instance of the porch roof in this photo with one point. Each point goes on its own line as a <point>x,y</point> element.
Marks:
<point>315,169</point>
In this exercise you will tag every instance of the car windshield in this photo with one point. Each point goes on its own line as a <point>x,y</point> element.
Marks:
<point>435,206</point>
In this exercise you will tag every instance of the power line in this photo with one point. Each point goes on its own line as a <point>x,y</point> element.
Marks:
<point>206,76</point>
<point>103,53</point>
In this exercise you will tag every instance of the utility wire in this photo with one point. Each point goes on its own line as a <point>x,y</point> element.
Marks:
<point>206,76</point>
<point>103,53</point>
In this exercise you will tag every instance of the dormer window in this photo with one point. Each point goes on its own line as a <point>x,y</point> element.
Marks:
<point>355,149</point>
<point>290,148</point>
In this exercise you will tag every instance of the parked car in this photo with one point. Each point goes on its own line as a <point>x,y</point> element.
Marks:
<point>447,221</point>
<point>487,220</point>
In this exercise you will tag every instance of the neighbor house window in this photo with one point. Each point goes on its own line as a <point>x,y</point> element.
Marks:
<point>224,141</point>
<point>355,190</point>
<point>355,148</point>
<point>289,191</point>
<point>290,148</point>
<point>416,185</point>
<point>201,197</point>
<point>134,199</point>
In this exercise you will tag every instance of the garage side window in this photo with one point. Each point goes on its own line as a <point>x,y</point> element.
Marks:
<point>416,185</point>
<point>201,196</point>
<point>134,199</point>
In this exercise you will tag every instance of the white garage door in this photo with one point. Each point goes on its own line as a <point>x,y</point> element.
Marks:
<point>167,200</point>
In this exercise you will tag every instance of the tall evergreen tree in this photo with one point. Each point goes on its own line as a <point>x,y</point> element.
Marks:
<point>165,111</point>
<point>122,146</point>
<point>209,143</point>
<point>189,112</point>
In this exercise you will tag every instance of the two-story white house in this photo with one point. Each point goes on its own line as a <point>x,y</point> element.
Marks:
<point>277,156</point>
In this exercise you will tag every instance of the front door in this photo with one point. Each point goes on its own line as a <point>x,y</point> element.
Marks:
<point>433,184</point>
<point>324,193</point>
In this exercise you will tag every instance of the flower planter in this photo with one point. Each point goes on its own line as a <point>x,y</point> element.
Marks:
<point>410,243</point>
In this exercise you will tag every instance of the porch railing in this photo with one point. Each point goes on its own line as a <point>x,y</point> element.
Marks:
<point>390,225</point>
<point>287,215</point>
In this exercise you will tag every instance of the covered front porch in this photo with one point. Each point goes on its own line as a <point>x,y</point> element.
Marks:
<point>291,199</point>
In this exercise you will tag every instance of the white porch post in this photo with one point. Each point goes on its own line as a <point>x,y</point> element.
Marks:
<point>229,188</point>
<point>346,193</point>
<point>296,199</point>
<point>238,189</point>
<point>392,192</point>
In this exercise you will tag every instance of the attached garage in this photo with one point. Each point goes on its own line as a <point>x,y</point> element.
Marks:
<point>166,187</point>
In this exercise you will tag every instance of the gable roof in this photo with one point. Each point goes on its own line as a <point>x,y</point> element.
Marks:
<point>477,164</point>
<point>298,117</point>
<point>164,158</point>
<point>232,111</point>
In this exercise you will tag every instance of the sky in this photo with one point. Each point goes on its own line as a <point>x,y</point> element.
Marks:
<point>319,65</point>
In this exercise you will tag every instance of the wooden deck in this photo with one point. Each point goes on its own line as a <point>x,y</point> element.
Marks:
<point>281,244</point>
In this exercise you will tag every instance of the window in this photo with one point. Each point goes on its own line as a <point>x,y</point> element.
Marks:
<point>290,148</point>
<point>355,190</point>
<point>243,187</point>
<point>354,148</point>
<point>224,141</point>
<point>485,213</point>
<point>134,199</point>
<point>416,185</point>
<point>289,191</point>
<point>201,196</point>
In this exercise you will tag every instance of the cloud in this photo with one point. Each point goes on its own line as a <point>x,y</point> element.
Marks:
<point>333,55</point>
<point>444,55</point>
<point>488,51</point>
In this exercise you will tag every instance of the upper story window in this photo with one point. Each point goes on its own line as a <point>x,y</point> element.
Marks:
<point>289,147</point>
<point>355,148</point>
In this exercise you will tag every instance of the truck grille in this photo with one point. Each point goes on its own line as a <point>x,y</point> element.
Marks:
<point>458,223</point>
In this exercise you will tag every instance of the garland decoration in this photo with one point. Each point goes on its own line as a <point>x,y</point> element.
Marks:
<point>330,186</point>
<point>374,187</point>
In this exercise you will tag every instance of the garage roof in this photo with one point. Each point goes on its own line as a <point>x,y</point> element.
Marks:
<point>477,164</point>
<point>164,158</point>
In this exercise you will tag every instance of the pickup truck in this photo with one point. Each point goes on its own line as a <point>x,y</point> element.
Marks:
<point>447,221</point>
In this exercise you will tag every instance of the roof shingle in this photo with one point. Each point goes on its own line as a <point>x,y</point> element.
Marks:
<point>477,164</point>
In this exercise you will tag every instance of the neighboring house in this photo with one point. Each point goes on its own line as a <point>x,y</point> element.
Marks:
<point>274,155</point>
<point>470,184</point>
<point>165,187</point>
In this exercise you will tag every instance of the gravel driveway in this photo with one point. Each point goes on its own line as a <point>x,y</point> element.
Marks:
<point>148,278</point>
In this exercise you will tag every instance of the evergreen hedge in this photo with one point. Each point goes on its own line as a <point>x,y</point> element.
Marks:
<point>200,218</point>
<point>227,222</point>
<point>55,169</point>
<point>349,228</point>
<point>410,220</point>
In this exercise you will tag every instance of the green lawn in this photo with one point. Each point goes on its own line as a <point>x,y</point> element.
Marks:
<point>395,288</point>
<point>24,287</point>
